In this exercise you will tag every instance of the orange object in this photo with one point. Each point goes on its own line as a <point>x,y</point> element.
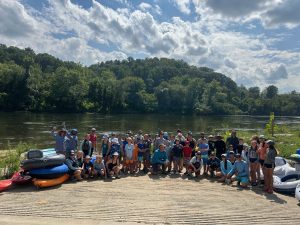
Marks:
<point>135,153</point>
<point>42,183</point>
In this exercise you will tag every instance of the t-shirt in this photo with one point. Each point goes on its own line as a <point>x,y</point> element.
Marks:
<point>99,166</point>
<point>253,154</point>
<point>87,165</point>
<point>240,149</point>
<point>177,151</point>
<point>187,151</point>
<point>214,162</point>
<point>93,138</point>
<point>129,151</point>
<point>141,149</point>
<point>147,144</point>
<point>204,148</point>
<point>196,162</point>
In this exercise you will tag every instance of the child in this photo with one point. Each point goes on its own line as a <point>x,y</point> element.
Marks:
<point>79,157</point>
<point>240,146</point>
<point>147,155</point>
<point>87,167</point>
<point>177,155</point>
<point>113,165</point>
<point>204,148</point>
<point>241,171</point>
<point>99,167</point>
<point>195,164</point>
<point>253,159</point>
<point>169,151</point>
<point>128,157</point>
<point>187,154</point>
<point>93,139</point>
<point>213,164</point>
<point>104,146</point>
<point>226,167</point>
<point>141,152</point>
<point>269,165</point>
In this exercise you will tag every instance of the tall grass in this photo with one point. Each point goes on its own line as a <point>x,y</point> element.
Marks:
<point>10,159</point>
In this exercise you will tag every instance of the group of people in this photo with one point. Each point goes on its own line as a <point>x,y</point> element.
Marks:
<point>230,160</point>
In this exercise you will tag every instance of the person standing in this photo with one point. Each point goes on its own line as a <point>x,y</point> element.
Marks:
<point>233,140</point>
<point>269,166</point>
<point>220,146</point>
<point>86,145</point>
<point>93,139</point>
<point>60,140</point>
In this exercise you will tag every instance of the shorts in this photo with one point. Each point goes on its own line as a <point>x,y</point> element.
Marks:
<point>186,160</point>
<point>269,166</point>
<point>252,160</point>
<point>243,180</point>
<point>262,162</point>
<point>192,169</point>
<point>213,167</point>
<point>205,161</point>
<point>140,158</point>
<point>128,161</point>
<point>176,159</point>
<point>147,156</point>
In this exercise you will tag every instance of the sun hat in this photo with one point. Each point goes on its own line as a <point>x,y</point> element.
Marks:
<point>72,152</point>
<point>223,155</point>
<point>262,137</point>
<point>210,136</point>
<point>115,140</point>
<point>87,157</point>
<point>237,155</point>
<point>93,129</point>
<point>105,136</point>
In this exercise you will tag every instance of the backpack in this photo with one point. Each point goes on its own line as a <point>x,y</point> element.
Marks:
<point>86,146</point>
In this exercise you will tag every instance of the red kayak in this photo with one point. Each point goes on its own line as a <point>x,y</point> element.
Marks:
<point>5,184</point>
<point>18,178</point>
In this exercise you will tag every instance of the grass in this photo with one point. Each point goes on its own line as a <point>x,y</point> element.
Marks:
<point>10,159</point>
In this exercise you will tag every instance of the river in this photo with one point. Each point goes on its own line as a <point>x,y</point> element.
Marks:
<point>35,127</point>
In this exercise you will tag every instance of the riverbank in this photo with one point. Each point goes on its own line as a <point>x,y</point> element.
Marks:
<point>146,200</point>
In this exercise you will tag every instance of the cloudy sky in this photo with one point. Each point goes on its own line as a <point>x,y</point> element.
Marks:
<point>255,42</point>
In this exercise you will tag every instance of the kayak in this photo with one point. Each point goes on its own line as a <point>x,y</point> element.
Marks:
<point>5,184</point>
<point>42,183</point>
<point>18,178</point>
<point>49,172</point>
<point>46,161</point>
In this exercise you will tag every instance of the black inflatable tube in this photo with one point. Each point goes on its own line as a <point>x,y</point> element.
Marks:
<point>47,161</point>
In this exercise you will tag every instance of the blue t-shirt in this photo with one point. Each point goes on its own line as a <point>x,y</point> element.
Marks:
<point>140,147</point>
<point>204,148</point>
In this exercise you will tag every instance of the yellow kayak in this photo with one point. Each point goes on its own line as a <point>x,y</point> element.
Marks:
<point>41,183</point>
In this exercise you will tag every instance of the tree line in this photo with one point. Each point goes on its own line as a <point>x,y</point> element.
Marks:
<point>43,83</point>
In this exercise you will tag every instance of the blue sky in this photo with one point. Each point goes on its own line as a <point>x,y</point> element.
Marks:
<point>254,42</point>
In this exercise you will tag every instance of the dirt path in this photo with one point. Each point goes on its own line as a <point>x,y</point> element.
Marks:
<point>144,200</point>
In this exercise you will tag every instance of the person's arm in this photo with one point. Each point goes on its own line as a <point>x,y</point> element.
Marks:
<point>53,133</point>
<point>70,166</point>
<point>231,172</point>
<point>222,165</point>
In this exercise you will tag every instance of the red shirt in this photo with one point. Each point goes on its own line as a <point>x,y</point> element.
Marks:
<point>93,138</point>
<point>187,151</point>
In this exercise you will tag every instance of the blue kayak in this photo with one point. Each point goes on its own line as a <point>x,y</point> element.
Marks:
<point>49,172</point>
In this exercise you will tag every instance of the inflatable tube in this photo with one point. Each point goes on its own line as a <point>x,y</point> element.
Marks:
<point>287,184</point>
<point>49,172</point>
<point>279,161</point>
<point>42,183</point>
<point>5,184</point>
<point>44,162</point>
<point>18,178</point>
<point>295,157</point>
<point>297,192</point>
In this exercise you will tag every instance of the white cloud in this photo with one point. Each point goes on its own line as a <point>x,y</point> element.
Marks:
<point>246,58</point>
<point>183,6</point>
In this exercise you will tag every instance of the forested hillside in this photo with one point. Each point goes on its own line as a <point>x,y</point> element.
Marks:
<point>43,83</point>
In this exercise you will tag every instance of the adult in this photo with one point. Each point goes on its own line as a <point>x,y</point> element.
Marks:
<point>211,144</point>
<point>74,169</point>
<point>226,167</point>
<point>253,159</point>
<point>160,140</point>
<point>93,139</point>
<point>147,155</point>
<point>232,140</point>
<point>241,171</point>
<point>269,166</point>
<point>213,164</point>
<point>113,165</point>
<point>262,152</point>
<point>60,140</point>
<point>159,159</point>
<point>195,164</point>
<point>72,141</point>
<point>86,145</point>
<point>220,146</point>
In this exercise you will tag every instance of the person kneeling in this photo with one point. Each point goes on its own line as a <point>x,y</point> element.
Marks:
<point>88,168</point>
<point>226,167</point>
<point>99,167</point>
<point>195,165</point>
<point>113,165</point>
<point>74,169</point>
<point>159,159</point>
<point>213,164</point>
<point>241,171</point>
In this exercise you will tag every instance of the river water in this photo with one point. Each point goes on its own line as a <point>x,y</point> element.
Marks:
<point>35,127</point>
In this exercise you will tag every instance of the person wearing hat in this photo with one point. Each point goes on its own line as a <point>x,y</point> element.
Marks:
<point>114,147</point>
<point>113,165</point>
<point>204,148</point>
<point>241,171</point>
<point>60,140</point>
<point>99,167</point>
<point>86,145</point>
<point>177,153</point>
<point>128,162</point>
<point>213,164</point>
<point>160,140</point>
<point>93,139</point>
<point>88,167</point>
<point>231,157</point>
<point>195,164</point>
<point>159,159</point>
<point>74,169</point>
<point>220,146</point>
<point>226,167</point>
<point>245,153</point>
<point>72,141</point>
<point>269,166</point>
